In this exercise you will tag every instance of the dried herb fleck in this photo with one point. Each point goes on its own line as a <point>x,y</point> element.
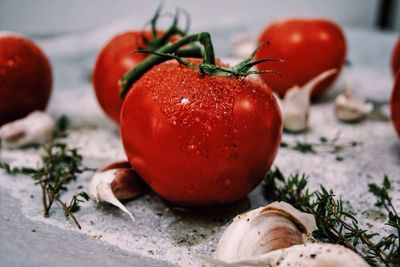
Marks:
<point>323,145</point>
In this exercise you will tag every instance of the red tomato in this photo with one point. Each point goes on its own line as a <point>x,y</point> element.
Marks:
<point>395,103</point>
<point>113,61</point>
<point>199,139</point>
<point>396,57</point>
<point>310,46</point>
<point>25,77</point>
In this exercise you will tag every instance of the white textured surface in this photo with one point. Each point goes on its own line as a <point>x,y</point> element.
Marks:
<point>168,233</point>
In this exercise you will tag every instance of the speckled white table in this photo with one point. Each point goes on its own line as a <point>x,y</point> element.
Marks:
<point>163,234</point>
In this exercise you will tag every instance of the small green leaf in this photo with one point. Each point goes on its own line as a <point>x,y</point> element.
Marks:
<point>386,182</point>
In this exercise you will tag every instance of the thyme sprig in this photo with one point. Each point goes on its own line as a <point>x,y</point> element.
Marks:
<point>335,223</point>
<point>59,165</point>
<point>323,145</point>
<point>391,242</point>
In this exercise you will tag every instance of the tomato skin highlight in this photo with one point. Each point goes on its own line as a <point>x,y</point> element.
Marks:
<point>25,77</point>
<point>395,62</point>
<point>395,103</point>
<point>199,140</point>
<point>309,46</point>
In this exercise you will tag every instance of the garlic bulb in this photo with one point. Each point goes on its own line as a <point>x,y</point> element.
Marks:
<point>295,105</point>
<point>278,235</point>
<point>349,108</point>
<point>305,255</point>
<point>278,225</point>
<point>115,182</point>
<point>36,128</point>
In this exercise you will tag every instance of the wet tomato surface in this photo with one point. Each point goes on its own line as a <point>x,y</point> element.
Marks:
<point>199,139</point>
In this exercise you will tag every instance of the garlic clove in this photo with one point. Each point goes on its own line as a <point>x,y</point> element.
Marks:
<point>128,184</point>
<point>36,128</point>
<point>259,231</point>
<point>305,255</point>
<point>351,109</point>
<point>296,103</point>
<point>101,190</point>
<point>302,219</point>
<point>116,182</point>
<point>278,235</point>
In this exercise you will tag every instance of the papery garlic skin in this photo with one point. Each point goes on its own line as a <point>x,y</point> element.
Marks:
<point>117,181</point>
<point>127,185</point>
<point>36,128</point>
<point>351,109</point>
<point>100,189</point>
<point>295,109</point>
<point>306,255</point>
<point>278,225</point>
<point>295,105</point>
<point>278,235</point>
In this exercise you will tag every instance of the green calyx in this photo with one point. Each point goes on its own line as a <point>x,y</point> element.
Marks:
<point>242,69</point>
<point>156,41</point>
<point>208,67</point>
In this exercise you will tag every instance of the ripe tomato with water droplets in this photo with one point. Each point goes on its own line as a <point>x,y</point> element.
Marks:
<point>395,103</point>
<point>199,139</point>
<point>113,61</point>
<point>25,77</point>
<point>309,46</point>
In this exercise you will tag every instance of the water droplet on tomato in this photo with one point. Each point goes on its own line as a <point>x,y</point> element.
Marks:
<point>191,148</point>
<point>201,108</point>
<point>185,101</point>
<point>207,126</point>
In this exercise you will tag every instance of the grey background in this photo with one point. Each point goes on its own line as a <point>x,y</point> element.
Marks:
<point>44,17</point>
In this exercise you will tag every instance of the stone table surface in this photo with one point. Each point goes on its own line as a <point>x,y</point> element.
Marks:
<point>163,234</point>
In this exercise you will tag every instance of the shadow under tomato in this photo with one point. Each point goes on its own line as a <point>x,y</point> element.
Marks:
<point>196,224</point>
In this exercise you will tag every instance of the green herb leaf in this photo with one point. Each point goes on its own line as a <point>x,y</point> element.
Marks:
<point>323,145</point>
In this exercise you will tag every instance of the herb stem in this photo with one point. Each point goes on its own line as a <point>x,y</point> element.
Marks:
<point>44,201</point>
<point>59,165</point>
<point>67,211</point>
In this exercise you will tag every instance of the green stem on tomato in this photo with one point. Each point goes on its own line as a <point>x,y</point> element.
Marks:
<point>133,75</point>
<point>157,42</point>
<point>192,51</point>
<point>153,21</point>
